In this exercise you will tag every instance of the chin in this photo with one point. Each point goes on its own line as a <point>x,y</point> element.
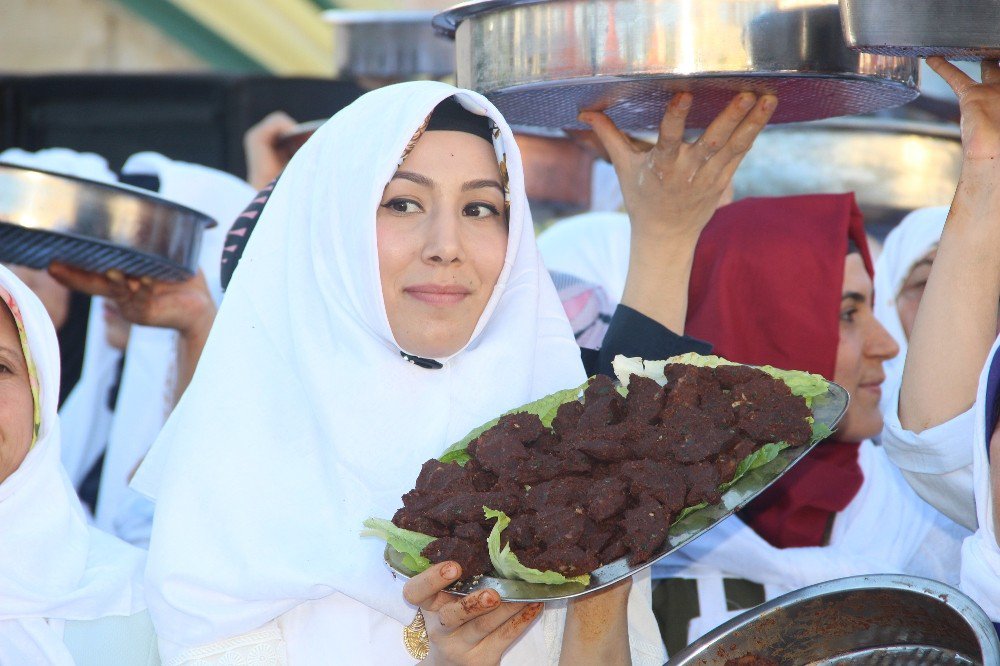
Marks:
<point>861,425</point>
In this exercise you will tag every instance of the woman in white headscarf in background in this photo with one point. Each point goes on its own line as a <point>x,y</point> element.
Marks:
<point>944,477</point>
<point>305,416</point>
<point>65,587</point>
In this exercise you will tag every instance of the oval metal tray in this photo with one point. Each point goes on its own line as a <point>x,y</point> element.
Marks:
<point>886,619</point>
<point>966,30</point>
<point>542,63</point>
<point>46,217</point>
<point>827,409</point>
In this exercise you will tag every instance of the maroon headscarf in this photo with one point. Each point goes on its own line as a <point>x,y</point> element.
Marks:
<point>766,289</point>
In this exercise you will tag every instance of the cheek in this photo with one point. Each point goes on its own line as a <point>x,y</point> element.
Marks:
<point>392,252</point>
<point>907,309</point>
<point>848,369</point>
<point>17,421</point>
<point>491,250</point>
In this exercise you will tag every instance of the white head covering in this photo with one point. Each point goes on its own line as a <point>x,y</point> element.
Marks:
<point>53,567</point>
<point>146,393</point>
<point>914,237</point>
<point>85,415</point>
<point>593,247</point>
<point>981,552</point>
<point>302,419</point>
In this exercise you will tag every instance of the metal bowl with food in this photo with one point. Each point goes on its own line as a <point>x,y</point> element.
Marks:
<point>46,217</point>
<point>966,30</point>
<point>542,62</point>
<point>887,619</point>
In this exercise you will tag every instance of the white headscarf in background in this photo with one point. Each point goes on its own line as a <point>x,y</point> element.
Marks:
<point>53,566</point>
<point>908,243</point>
<point>593,247</point>
<point>85,415</point>
<point>146,393</point>
<point>981,552</point>
<point>303,419</point>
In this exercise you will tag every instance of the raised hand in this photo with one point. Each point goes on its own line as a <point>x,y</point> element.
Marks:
<point>465,631</point>
<point>980,106</point>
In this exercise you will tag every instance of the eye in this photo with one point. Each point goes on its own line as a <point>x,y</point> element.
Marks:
<point>5,370</point>
<point>480,209</point>
<point>402,206</point>
<point>848,315</point>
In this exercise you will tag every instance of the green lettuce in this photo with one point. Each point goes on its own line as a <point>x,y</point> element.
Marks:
<point>409,544</point>
<point>506,564</point>
<point>545,408</point>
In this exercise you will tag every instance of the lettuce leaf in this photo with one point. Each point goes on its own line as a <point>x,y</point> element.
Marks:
<point>545,408</point>
<point>408,543</point>
<point>506,564</point>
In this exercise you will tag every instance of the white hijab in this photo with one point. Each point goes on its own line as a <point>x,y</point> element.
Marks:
<point>914,237</point>
<point>85,415</point>
<point>53,566</point>
<point>593,247</point>
<point>146,392</point>
<point>302,419</point>
<point>981,552</point>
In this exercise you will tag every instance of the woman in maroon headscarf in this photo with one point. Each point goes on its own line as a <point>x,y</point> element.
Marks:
<point>788,282</point>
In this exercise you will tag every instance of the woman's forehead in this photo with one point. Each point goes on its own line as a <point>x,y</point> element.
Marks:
<point>452,153</point>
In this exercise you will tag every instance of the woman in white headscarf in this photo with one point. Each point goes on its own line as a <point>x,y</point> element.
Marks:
<point>379,313</point>
<point>63,584</point>
<point>951,384</point>
<point>943,478</point>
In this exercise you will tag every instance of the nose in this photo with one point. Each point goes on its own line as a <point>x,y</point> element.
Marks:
<point>443,239</point>
<point>879,343</point>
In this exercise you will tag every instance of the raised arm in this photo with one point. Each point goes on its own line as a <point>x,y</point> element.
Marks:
<point>957,320</point>
<point>671,190</point>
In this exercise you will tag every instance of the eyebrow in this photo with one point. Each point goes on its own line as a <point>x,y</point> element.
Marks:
<point>479,184</point>
<point>923,262</point>
<point>855,296</point>
<point>427,182</point>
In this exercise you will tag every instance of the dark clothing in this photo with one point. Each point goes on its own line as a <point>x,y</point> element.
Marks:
<point>632,333</point>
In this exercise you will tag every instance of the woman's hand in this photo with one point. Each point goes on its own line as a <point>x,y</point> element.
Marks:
<point>186,307</point>
<point>672,188</point>
<point>265,157</point>
<point>671,191</point>
<point>474,630</point>
<point>597,628</point>
<point>980,107</point>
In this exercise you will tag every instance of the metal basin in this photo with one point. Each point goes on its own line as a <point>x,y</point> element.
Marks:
<point>46,217</point>
<point>960,30</point>
<point>888,620</point>
<point>892,166</point>
<point>542,63</point>
<point>381,47</point>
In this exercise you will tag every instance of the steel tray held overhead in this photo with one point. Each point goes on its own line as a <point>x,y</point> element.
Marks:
<point>543,61</point>
<point>46,217</point>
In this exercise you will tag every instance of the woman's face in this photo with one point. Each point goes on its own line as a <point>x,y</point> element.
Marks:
<point>908,299</point>
<point>442,239</point>
<point>864,345</point>
<point>17,408</point>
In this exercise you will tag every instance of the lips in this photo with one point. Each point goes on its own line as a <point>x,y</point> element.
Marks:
<point>874,385</point>
<point>438,294</point>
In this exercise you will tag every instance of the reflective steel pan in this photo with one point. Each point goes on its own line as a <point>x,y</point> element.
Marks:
<point>542,62</point>
<point>47,217</point>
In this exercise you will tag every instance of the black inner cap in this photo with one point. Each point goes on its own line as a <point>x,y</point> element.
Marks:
<point>449,115</point>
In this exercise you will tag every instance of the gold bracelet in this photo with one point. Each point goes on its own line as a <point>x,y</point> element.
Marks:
<point>415,638</point>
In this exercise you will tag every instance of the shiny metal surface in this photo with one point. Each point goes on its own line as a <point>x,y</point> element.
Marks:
<point>388,46</point>
<point>965,30</point>
<point>542,63</point>
<point>46,217</point>
<point>827,409</point>
<point>892,166</point>
<point>883,619</point>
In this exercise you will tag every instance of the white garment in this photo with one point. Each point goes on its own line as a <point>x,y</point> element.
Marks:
<point>53,566</point>
<point>886,528</point>
<point>980,552</point>
<point>937,463</point>
<point>146,393</point>
<point>85,416</point>
<point>593,247</point>
<point>303,420</point>
<point>605,190</point>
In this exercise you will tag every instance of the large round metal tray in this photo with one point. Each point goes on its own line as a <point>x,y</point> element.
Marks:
<point>828,409</point>
<point>893,166</point>
<point>542,62</point>
<point>387,46</point>
<point>964,30</point>
<point>885,620</point>
<point>46,217</point>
